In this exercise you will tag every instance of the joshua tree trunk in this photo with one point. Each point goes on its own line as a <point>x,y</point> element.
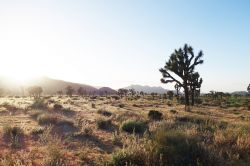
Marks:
<point>192,96</point>
<point>186,95</point>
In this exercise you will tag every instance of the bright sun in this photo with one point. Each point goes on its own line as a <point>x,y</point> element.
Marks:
<point>20,70</point>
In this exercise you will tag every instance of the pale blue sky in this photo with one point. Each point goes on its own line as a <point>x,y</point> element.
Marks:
<point>121,42</point>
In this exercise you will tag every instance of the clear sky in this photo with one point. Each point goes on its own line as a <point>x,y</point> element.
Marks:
<point>121,42</point>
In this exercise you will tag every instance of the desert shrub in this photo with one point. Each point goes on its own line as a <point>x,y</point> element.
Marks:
<point>37,131</point>
<point>198,101</point>
<point>131,126</point>
<point>116,139</point>
<point>87,131</point>
<point>39,104</point>
<point>35,113</point>
<point>176,148</point>
<point>58,106</point>
<point>173,111</point>
<point>204,123</point>
<point>13,135</point>
<point>121,105</point>
<point>65,122</point>
<point>233,142</point>
<point>116,97</point>
<point>103,124</point>
<point>47,119</point>
<point>136,152</point>
<point>169,103</point>
<point>67,111</point>
<point>154,115</point>
<point>181,100</point>
<point>126,158</point>
<point>93,105</point>
<point>54,156</point>
<point>104,112</point>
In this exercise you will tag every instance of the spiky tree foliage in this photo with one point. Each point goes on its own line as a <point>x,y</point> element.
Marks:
<point>132,92</point>
<point>248,88</point>
<point>69,91</point>
<point>179,68</point>
<point>122,92</point>
<point>195,85</point>
<point>153,95</point>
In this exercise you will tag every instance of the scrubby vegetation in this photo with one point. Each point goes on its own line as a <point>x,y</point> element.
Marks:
<point>141,132</point>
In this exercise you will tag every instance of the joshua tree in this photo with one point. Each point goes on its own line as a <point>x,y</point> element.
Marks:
<point>248,88</point>
<point>180,67</point>
<point>69,91</point>
<point>195,85</point>
<point>153,95</point>
<point>122,92</point>
<point>132,92</point>
<point>35,91</point>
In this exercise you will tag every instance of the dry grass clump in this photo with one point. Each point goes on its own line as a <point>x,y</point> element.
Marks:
<point>55,155</point>
<point>104,124</point>
<point>13,135</point>
<point>47,119</point>
<point>233,144</point>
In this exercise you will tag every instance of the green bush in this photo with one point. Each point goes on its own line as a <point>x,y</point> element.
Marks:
<point>154,115</point>
<point>131,126</point>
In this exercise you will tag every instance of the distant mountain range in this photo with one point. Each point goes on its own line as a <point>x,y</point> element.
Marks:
<point>240,93</point>
<point>148,89</point>
<point>50,86</point>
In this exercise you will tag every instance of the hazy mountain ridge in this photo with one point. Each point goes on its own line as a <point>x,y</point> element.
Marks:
<point>148,89</point>
<point>50,86</point>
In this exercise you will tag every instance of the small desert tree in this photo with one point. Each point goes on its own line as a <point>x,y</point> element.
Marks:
<point>35,91</point>
<point>69,91</point>
<point>122,92</point>
<point>153,95</point>
<point>132,92</point>
<point>179,68</point>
